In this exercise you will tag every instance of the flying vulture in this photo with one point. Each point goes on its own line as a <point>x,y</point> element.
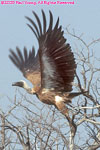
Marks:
<point>52,69</point>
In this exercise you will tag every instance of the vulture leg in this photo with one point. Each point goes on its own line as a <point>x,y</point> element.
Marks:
<point>64,110</point>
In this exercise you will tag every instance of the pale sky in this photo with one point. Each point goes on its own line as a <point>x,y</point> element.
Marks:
<point>83,16</point>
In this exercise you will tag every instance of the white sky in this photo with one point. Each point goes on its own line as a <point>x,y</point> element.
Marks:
<point>83,16</point>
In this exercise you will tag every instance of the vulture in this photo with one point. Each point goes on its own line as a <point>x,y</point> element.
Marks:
<point>52,69</point>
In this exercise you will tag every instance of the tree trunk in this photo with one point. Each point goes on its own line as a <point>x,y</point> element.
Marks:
<point>71,140</point>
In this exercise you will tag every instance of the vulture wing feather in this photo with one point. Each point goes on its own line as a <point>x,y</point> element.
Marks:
<point>27,63</point>
<point>57,62</point>
<point>54,65</point>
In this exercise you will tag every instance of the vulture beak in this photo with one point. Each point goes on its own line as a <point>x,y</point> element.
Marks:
<point>20,84</point>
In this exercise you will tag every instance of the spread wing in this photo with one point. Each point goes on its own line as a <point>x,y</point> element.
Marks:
<point>27,63</point>
<point>57,63</point>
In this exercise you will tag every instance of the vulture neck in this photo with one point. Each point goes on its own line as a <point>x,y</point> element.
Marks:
<point>29,89</point>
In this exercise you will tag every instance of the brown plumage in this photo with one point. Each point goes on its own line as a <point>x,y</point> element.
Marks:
<point>52,70</point>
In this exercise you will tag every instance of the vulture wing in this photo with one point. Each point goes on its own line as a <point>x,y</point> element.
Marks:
<point>27,63</point>
<point>57,63</point>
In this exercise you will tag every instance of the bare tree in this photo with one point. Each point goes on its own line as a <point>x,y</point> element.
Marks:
<point>88,79</point>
